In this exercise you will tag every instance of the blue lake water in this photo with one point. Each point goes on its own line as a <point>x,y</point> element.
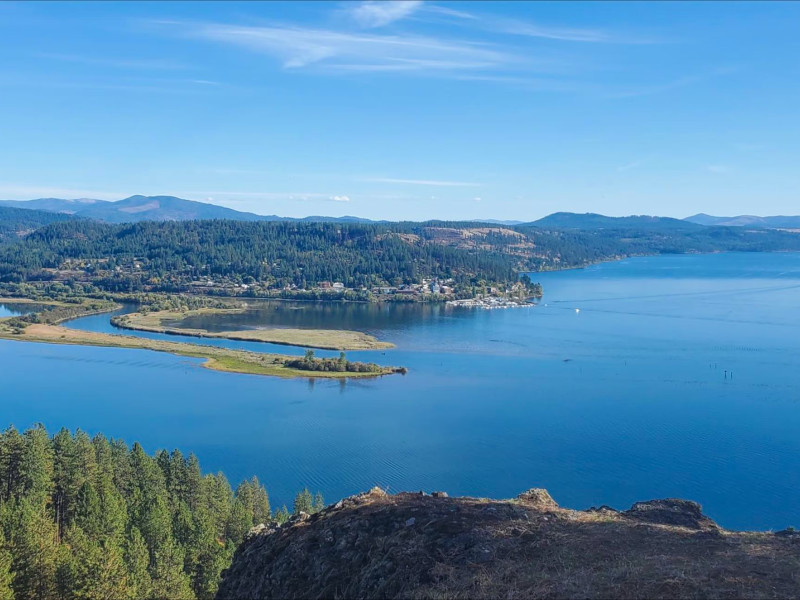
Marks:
<point>10,309</point>
<point>678,376</point>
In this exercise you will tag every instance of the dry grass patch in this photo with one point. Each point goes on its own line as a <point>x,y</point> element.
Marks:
<point>216,358</point>
<point>328,339</point>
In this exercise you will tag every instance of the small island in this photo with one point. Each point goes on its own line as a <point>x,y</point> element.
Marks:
<point>326,339</point>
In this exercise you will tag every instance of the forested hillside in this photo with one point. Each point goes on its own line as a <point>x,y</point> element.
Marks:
<point>180,256</point>
<point>167,255</point>
<point>92,518</point>
<point>17,222</point>
<point>567,220</point>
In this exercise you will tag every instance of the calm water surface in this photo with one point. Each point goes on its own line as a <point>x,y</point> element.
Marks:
<point>11,309</point>
<point>676,376</point>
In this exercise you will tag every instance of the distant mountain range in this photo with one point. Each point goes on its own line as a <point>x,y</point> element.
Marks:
<point>170,208</point>
<point>776,222</point>
<point>510,223</point>
<point>153,208</point>
<point>567,220</point>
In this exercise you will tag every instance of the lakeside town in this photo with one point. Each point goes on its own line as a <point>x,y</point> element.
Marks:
<point>515,295</point>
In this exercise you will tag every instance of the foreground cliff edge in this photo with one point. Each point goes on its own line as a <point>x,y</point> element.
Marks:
<point>407,545</point>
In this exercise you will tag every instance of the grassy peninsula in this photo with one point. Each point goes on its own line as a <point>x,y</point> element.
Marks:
<point>43,327</point>
<point>328,339</point>
<point>216,358</point>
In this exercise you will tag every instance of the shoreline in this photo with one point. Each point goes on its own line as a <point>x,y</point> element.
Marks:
<point>323,339</point>
<point>216,358</point>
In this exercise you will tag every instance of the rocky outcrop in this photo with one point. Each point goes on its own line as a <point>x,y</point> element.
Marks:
<point>671,511</point>
<point>415,545</point>
<point>538,498</point>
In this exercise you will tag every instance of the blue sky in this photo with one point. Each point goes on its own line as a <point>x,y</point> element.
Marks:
<point>406,110</point>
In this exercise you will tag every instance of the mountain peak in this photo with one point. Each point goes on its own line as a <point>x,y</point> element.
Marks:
<point>568,220</point>
<point>774,222</point>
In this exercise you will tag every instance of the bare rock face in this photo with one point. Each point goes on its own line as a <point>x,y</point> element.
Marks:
<point>415,545</point>
<point>671,511</point>
<point>538,498</point>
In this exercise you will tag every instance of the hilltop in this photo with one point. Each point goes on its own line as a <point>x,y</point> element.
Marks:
<point>412,545</point>
<point>16,223</point>
<point>567,220</point>
<point>153,208</point>
<point>775,222</point>
<point>136,208</point>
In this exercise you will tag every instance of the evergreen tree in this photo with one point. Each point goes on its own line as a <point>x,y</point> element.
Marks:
<point>12,447</point>
<point>148,507</point>
<point>319,502</point>
<point>35,552</point>
<point>262,513</point>
<point>211,555</point>
<point>169,578</point>
<point>282,515</point>
<point>137,561</point>
<point>91,519</point>
<point>96,570</point>
<point>36,469</point>
<point>240,520</point>
<point>193,482</point>
<point>6,575</point>
<point>303,502</point>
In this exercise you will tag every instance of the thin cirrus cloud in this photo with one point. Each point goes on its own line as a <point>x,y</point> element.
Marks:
<point>633,165</point>
<point>302,47</point>
<point>564,34</point>
<point>372,14</point>
<point>523,28</point>
<point>347,50</point>
<point>431,182</point>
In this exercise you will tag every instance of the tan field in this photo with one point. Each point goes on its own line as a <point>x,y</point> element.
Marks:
<point>328,339</point>
<point>219,359</point>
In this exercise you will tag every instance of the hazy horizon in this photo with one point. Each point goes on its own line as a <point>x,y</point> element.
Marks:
<point>406,110</point>
<point>342,215</point>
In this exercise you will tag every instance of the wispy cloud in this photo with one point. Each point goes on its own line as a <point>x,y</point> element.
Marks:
<point>339,198</point>
<point>347,51</point>
<point>432,182</point>
<point>450,12</point>
<point>632,165</point>
<point>718,169</point>
<point>121,63</point>
<point>301,47</point>
<point>373,13</point>
<point>524,28</point>
<point>564,34</point>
